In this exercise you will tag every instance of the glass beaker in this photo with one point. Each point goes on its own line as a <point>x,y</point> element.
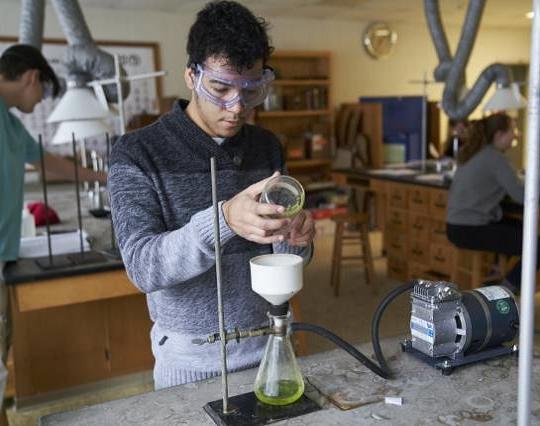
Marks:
<point>284,191</point>
<point>279,380</point>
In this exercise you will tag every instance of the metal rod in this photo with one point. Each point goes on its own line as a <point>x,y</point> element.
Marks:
<point>119,92</point>
<point>45,199</point>
<point>222,332</point>
<point>424,123</point>
<point>113,239</point>
<point>530,231</point>
<point>79,216</point>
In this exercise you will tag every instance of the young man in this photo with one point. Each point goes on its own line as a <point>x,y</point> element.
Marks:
<point>25,79</point>
<point>162,207</point>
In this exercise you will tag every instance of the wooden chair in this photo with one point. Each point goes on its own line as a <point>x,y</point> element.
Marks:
<point>359,222</point>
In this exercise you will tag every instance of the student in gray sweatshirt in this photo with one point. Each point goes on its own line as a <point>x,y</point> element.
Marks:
<point>483,178</point>
<point>161,200</point>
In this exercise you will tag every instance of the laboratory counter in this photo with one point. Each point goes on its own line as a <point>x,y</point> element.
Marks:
<point>482,393</point>
<point>411,211</point>
<point>76,325</point>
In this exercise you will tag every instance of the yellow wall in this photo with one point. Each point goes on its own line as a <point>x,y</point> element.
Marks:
<point>355,73</point>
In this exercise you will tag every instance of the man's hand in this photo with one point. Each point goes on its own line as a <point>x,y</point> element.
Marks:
<point>253,220</point>
<point>301,229</point>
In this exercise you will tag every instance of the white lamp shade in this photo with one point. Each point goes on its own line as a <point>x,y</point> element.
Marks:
<point>78,104</point>
<point>81,128</point>
<point>506,98</point>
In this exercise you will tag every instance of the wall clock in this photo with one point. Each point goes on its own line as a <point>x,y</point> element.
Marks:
<point>379,40</point>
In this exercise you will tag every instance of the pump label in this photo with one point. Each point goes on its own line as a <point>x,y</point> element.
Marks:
<point>492,292</point>
<point>422,329</point>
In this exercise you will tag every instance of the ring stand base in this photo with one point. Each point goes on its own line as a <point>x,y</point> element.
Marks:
<point>54,262</point>
<point>86,257</point>
<point>246,409</point>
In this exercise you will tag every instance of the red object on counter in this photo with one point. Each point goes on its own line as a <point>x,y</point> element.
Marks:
<point>38,210</point>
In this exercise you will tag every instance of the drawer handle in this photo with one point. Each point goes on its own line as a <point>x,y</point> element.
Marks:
<point>418,226</point>
<point>440,205</point>
<point>439,258</point>
<point>396,246</point>
<point>417,252</point>
<point>418,200</point>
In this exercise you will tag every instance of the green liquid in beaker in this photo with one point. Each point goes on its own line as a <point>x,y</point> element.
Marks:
<point>282,392</point>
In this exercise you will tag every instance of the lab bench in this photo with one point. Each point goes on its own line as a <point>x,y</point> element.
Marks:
<point>411,213</point>
<point>484,393</point>
<point>75,325</point>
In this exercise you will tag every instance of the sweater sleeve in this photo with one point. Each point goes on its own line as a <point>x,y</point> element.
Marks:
<point>156,258</point>
<point>508,179</point>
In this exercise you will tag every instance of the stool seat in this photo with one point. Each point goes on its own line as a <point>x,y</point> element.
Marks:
<point>358,235</point>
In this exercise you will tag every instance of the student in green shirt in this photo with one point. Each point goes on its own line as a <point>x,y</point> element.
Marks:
<point>25,79</point>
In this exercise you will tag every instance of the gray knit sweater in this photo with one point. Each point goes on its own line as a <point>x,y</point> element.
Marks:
<point>160,192</point>
<point>479,186</point>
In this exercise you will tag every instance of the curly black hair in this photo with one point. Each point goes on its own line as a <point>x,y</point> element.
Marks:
<point>229,30</point>
<point>19,58</point>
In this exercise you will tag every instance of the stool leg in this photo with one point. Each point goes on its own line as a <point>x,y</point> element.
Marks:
<point>367,256</point>
<point>476,273</point>
<point>336,258</point>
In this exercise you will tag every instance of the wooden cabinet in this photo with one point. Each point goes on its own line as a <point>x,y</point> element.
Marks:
<point>298,110</point>
<point>77,330</point>
<point>415,231</point>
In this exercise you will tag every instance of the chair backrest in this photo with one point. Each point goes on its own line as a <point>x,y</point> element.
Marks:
<point>358,130</point>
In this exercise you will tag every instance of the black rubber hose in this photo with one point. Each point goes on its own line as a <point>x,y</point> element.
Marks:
<point>377,319</point>
<point>299,326</point>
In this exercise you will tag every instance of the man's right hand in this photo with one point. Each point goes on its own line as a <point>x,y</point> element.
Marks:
<point>252,220</point>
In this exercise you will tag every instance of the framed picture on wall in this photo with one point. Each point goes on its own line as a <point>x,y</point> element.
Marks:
<point>135,57</point>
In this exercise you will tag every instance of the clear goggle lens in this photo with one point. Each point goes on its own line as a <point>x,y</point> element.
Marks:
<point>48,89</point>
<point>226,93</point>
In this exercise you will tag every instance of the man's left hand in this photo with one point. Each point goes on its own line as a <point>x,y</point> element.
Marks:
<point>301,229</point>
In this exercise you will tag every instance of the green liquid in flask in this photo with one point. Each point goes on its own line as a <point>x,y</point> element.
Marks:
<point>282,392</point>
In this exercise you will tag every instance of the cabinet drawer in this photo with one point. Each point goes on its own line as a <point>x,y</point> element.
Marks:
<point>438,231</point>
<point>438,202</point>
<point>419,226</point>
<point>397,268</point>
<point>418,271</point>
<point>419,251</point>
<point>397,221</point>
<point>418,199</point>
<point>397,196</point>
<point>378,185</point>
<point>396,244</point>
<point>441,257</point>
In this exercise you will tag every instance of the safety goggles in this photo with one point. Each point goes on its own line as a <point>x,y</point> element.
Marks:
<point>48,89</point>
<point>226,93</point>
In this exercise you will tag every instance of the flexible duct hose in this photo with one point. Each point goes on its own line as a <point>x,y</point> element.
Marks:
<point>84,61</point>
<point>31,22</point>
<point>452,70</point>
<point>299,326</point>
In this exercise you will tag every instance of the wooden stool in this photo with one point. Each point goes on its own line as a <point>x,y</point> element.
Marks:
<point>360,221</point>
<point>472,268</point>
<point>298,339</point>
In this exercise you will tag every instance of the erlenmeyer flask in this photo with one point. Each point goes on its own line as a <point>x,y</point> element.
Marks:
<point>279,381</point>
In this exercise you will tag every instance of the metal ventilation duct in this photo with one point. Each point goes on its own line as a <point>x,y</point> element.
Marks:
<point>457,103</point>
<point>84,61</point>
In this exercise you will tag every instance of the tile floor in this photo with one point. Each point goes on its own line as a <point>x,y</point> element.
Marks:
<point>349,316</point>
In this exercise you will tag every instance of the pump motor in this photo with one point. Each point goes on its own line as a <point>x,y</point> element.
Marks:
<point>451,328</point>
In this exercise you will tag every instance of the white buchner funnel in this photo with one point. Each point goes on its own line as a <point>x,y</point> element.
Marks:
<point>276,277</point>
